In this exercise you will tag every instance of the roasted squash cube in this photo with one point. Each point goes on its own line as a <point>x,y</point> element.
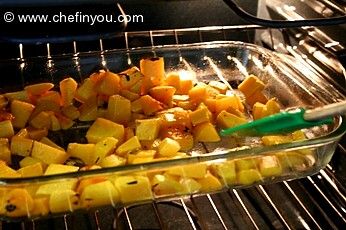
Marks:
<point>173,79</point>
<point>5,152</point>
<point>21,146</point>
<point>148,129</point>
<point>19,203</point>
<point>130,77</point>
<point>228,120</point>
<point>63,201</point>
<point>112,161</point>
<point>198,171</point>
<point>7,172</point>
<point>198,94</point>
<point>86,90</point>
<point>19,95</point>
<point>200,115</point>
<point>270,166</point>
<point>119,109</point>
<point>153,68</point>
<point>219,86</point>
<point>98,194</point>
<point>85,152</point>
<point>109,85</point>
<point>103,128</point>
<point>129,146</point>
<point>88,110</point>
<point>38,89</point>
<point>41,120</point>
<point>59,168</point>
<point>6,129</point>
<point>206,132</point>
<point>21,111</point>
<point>31,170</point>
<point>250,85</point>
<point>104,148</point>
<point>48,154</point>
<point>133,188</point>
<point>163,94</point>
<point>150,105</point>
<point>168,147</point>
<point>209,183</point>
<point>71,112</point>
<point>248,176</point>
<point>226,171</point>
<point>68,88</point>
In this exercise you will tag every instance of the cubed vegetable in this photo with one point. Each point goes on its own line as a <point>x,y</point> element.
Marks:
<point>103,128</point>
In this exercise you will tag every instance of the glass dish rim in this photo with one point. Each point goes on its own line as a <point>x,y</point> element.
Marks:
<point>330,137</point>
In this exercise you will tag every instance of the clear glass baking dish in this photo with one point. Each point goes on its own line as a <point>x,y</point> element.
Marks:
<point>230,163</point>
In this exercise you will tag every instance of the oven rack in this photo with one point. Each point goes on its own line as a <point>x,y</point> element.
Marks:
<point>315,202</point>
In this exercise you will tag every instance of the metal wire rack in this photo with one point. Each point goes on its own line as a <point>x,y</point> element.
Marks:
<point>315,202</point>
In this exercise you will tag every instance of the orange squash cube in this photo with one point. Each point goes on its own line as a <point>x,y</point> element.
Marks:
<point>119,109</point>
<point>150,105</point>
<point>38,89</point>
<point>21,112</point>
<point>109,85</point>
<point>86,90</point>
<point>88,110</point>
<point>154,69</point>
<point>6,129</point>
<point>206,132</point>
<point>41,120</point>
<point>163,94</point>
<point>68,88</point>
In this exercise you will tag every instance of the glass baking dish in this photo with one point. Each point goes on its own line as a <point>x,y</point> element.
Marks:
<point>234,162</point>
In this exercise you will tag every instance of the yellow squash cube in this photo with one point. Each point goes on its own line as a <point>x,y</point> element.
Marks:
<point>31,170</point>
<point>47,141</point>
<point>48,154</point>
<point>21,146</point>
<point>19,95</point>
<point>86,90</point>
<point>41,207</point>
<point>168,147</point>
<point>154,69</point>
<point>228,120</point>
<point>103,128</point>
<point>248,176</point>
<point>21,111</point>
<point>200,115</point>
<point>119,109</point>
<point>99,194</point>
<point>104,148</point>
<point>166,185</point>
<point>226,171</point>
<point>112,161</point>
<point>85,152</point>
<point>250,85</point>
<point>63,201</point>
<point>88,110</point>
<point>109,85</point>
<point>148,129</point>
<point>197,171</point>
<point>149,105</point>
<point>68,87</point>
<point>133,188</point>
<point>6,129</point>
<point>209,183</point>
<point>5,152</point>
<point>190,185</point>
<point>7,172</point>
<point>29,161</point>
<point>41,121</point>
<point>129,146</point>
<point>49,188</point>
<point>219,86</point>
<point>59,168</point>
<point>246,163</point>
<point>163,94</point>
<point>206,132</point>
<point>270,166</point>
<point>19,203</point>
<point>38,89</point>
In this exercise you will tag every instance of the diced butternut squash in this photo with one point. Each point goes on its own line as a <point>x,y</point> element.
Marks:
<point>165,185</point>
<point>228,120</point>
<point>198,94</point>
<point>185,139</point>
<point>54,122</point>
<point>103,128</point>
<point>190,185</point>
<point>258,96</point>
<point>19,95</point>
<point>50,101</point>
<point>88,110</point>
<point>129,146</point>
<point>209,183</point>
<point>41,120</point>
<point>129,95</point>
<point>18,203</point>
<point>84,152</point>
<point>71,112</point>
<point>199,116</point>
<point>133,188</point>
<point>257,110</point>
<point>270,166</point>
<point>49,188</point>
<point>7,172</point>
<point>250,85</point>
<point>275,140</point>
<point>226,171</point>
<point>148,129</point>
<point>104,148</point>
<point>98,194</point>
<point>37,134</point>
<point>206,132</point>
<point>248,176</point>
<point>59,168</point>
<point>197,170</point>
<point>31,170</point>
<point>173,79</point>
<point>109,85</point>
<point>130,77</point>
<point>48,154</point>
<point>3,102</point>
<point>168,147</point>
<point>150,105</point>
<point>21,146</point>
<point>68,88</point>
<point>112,161</point>
<point>5,152</point>
<point>143,154</point>
<point>163,94</point>
<point>119,109</point>
<point>219,86</point>
<point>246,163</point>
<point>41,206</point>
<point>21,111</point>
<point>86,90</point>
<point>153,68</point>
<point>63,201</point>
<point>185,86</point>
<point>65,122</point>
<point>29,161</point>
<point>6,129</point>
<point>226,102</point>
<point>38,89</point>
<point>47,141</point>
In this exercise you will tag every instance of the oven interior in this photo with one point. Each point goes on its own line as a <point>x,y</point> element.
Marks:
<point>315,202</point>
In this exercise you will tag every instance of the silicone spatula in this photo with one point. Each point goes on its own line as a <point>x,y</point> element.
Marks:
<point>289,121</point>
